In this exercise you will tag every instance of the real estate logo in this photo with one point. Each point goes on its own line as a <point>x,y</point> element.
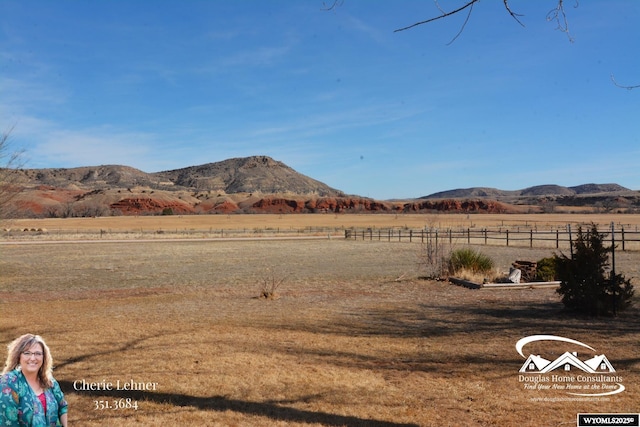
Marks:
<point>589,375</point>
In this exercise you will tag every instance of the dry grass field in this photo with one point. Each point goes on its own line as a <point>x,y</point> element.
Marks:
<point>353,338</point>
<point>301,221</point>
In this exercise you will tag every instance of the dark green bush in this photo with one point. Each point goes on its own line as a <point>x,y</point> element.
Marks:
<point>470,260</point>
<point>546,270</point>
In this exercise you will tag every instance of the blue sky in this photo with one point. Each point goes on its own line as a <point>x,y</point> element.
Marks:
<point>336,95</point>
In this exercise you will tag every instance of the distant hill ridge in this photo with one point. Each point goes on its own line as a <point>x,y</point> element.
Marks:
<point>536,191</point>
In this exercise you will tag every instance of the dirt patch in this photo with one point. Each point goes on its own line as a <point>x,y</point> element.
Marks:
<point>79,294</point>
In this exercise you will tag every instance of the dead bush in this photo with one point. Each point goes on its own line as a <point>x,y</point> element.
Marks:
<point>270,283</point>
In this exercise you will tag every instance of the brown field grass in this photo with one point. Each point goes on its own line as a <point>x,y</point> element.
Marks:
<point>301,221</point>
<point>353,338</point>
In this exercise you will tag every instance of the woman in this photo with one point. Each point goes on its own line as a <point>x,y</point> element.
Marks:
<point>29,395</point>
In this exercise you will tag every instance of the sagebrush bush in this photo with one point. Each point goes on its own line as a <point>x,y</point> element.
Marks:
<point>469,260</point>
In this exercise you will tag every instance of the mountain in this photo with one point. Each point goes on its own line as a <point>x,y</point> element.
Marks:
<point>256,174</point>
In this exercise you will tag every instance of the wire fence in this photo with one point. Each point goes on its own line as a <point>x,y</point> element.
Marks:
<point>168,233</point>
<point>625,239</point>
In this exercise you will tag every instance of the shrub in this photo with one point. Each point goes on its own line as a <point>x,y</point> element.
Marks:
<point>433,257</point>
<point>585,286</point>
<point>546,270</point>
<point>469,260</point>
<point>269,284</point>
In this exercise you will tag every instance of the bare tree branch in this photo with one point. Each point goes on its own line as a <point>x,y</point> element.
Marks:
<point>334,5</point>
<point>438,6</point>
<point>464,24</point>
<point>559,15</point>
<point>623,86</point>
<point>512,13</point>
<point>444,15</point>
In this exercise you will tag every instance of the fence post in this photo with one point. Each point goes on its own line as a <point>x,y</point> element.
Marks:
<point>410,235</point>
<point>485,236</point>
<point>468,236</point>
<point>570,240</point>
<point>450,237</point>
<point>399,235</point>
<point>507,237</point>
<point>389,234</point>
<point>622,232</point>
<point>531,238</point>
<point>557,238</point>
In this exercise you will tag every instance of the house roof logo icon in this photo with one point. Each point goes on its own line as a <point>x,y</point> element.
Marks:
<point>567,361</point>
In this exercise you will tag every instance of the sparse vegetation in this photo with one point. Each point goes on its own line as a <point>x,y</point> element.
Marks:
<point>345,343</point>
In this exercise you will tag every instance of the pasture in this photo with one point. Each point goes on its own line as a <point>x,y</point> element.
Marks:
<point>212,223</point>
<point>354,337</point>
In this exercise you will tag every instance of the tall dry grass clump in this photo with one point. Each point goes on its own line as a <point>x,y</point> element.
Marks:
<point>470,264</point>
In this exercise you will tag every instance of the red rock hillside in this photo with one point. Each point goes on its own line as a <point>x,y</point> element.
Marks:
<point>52,202</point>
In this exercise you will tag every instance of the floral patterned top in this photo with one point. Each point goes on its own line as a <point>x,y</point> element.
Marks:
<point>19,405</point>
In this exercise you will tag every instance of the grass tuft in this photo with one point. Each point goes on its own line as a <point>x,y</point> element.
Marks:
<point>469,260</point>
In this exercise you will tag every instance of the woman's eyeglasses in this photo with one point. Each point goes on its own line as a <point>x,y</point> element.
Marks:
<point>32,353</point>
